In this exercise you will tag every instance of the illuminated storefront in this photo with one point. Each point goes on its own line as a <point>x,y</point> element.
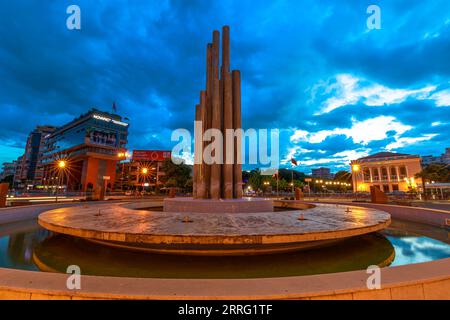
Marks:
<point>144,169</point>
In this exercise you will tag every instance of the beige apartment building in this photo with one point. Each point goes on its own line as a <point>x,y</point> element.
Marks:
<point>389,171</point>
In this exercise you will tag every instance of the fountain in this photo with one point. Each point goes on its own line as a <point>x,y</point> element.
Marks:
<point>217,220</point>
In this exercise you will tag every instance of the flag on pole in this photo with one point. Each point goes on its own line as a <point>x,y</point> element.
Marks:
<point>294,162</point>
<point>114,108</point>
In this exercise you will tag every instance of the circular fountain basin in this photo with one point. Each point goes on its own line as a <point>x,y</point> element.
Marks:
<point>214,233</point>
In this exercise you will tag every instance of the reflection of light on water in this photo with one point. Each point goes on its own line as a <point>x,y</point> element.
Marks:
<point>17,249</point>
<point>4,261</point>
<point>28,254</point>
<point>418,249</point>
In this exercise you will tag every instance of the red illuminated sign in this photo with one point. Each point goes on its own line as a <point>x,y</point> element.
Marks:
<point>151,155</point>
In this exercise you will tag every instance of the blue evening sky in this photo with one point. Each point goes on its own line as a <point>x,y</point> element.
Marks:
<point>310,68</point>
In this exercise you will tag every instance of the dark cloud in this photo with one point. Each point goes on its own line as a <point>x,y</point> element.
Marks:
<point>149,57</point>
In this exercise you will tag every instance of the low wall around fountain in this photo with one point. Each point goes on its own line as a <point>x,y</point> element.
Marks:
<point>433,217</point>
<point>430,280</point>
<point>439,218</point>
<point>22,213</point>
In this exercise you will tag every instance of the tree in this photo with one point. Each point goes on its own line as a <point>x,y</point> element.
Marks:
<point>283,184</point>
<point>298,184</point>
<point>255,179</point>
<point>343,176</point>
<point>245,176</point>
<point>433,172</point>
<point>176,175</point>
<point>189,185</point>
<point>287,175</point>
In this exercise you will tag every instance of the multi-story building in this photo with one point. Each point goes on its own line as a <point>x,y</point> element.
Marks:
<point>443,158</point>
<point>29,172</point>
<point>8,169</point>
<point>446,156</point>
<point>18,173</point>
<point>426,160</point>
<point>90,145</point>
<point>387,170</point>
<point>322,173</point>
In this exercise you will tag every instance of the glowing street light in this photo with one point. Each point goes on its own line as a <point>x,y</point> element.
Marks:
<point>61,165</point>
<point>355,169</point>
<point>123,155</point>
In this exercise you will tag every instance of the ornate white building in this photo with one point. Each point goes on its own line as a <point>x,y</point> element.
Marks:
<point>387,170</point>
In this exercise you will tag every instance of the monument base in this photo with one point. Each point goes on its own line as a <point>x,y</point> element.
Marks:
<point>244,205</point>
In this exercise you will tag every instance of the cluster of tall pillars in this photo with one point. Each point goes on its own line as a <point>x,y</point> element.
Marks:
<point>219,108</point>
<point>395,175</point>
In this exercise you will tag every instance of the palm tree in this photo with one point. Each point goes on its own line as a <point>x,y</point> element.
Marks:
<point>433,172</point>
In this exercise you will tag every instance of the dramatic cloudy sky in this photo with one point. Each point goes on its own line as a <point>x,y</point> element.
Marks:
<point>336,90</point>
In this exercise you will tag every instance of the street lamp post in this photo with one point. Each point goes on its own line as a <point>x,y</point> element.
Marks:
<point>266,184</point>
<point>144,172</point>
<point>293,182</point>
<point>120,155</point>
<point>61,167</point>
<point>308,180</point>
<point>278,185</point>
<point>157,178</point>
<point>355,170</point>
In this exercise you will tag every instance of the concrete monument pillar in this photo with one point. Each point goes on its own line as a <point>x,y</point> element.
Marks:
<point>216,124</point>
<point>227,125</point>
<point>219,108</point>
<point>237,125</point>
<point>197,154</point>
<point>225,49</point>
<point>201,182</point>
